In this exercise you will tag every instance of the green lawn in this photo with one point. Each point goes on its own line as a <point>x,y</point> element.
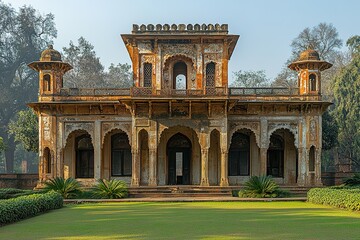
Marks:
<point>211,220</point>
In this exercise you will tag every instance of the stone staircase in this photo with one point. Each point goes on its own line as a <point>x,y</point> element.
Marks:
<point>199,191</point>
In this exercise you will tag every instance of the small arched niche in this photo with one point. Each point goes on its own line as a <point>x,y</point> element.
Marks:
<point>180,76</point>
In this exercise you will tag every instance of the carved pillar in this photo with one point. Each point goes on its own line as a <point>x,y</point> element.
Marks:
<point>318,167</point>
<point>97,149</point>
<point>263,161</point>
<point>204,166</point>
<point>135,182</point>
<point>152,166</point>
<point>302,167</point>
<point>224,168</point>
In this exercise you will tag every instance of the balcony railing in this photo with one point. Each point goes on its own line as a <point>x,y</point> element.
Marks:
<point>95,92</point>
<point>264,91</point>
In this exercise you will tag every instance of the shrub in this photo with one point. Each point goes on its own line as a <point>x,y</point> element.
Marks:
<point>15,209</point>
<point>110,189</point>
<point>68,188</point>
<point>7,193</point>
<point>340,198</point>
<point>262,187</point>
<point>353,181</point>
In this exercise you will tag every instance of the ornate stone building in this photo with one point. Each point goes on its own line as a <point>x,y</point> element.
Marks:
<point>181,124</point>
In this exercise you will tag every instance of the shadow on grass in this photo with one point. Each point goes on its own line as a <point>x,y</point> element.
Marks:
<point>190,221</point>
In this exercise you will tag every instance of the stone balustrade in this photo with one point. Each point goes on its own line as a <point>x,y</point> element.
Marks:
<point>180,28</point>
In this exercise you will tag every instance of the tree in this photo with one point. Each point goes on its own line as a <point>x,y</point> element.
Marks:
<point>323,38</point>
<point>353,44</point>
<point>119,76</point>
<point>2,146</point>
<point>250,79</point>
<point>330,131</point>
<point>347,109</point>
<point>25,130</point>
<point>87,72</point>
<point>23,35</point>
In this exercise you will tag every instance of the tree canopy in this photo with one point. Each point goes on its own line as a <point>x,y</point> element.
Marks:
<point>250,79</point>
<point>24,33</point>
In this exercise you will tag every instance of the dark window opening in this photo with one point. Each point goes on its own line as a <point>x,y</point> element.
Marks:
<point>47,156</point>
<point>180,76</point>
<point>147,74</point>
<point>84,157</point>
<point>275,158</point>
<point>312,79</point>
<point>239,155</point>
<point>121,158</point>
<point>312,159</point>
<point>210,74</point>
<point>46,83</point>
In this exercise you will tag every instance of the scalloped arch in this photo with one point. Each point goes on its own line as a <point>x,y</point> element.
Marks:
<point>291,130</point>
<point>173,58</point>
<point>240,127</point>
<point>167,128</point>
<point>78,131</point>
<point>113,130</point>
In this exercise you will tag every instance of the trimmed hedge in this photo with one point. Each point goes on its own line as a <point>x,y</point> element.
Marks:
<point>15,209</point>
<point>341,198</point>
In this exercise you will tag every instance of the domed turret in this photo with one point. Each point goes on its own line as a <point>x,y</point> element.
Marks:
<point>51,70</point>
<point>309,67</point>
<point>50,55</point>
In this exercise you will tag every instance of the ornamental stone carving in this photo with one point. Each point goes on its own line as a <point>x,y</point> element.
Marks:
<point>107,127</point>
<point>77,126</point>
<point>252,126</point>
<point>291,126</point>
<point>312,129</point>
<point>46,128</point>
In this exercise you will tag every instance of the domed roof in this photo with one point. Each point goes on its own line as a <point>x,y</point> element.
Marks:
<point>50,54</point>
<point>309,54</point>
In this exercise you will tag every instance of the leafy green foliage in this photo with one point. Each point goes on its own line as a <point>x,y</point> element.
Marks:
<point>68,188</point>
<point>119,76</point>
<point>110,189</point>
<point>26,130</point>
<point>330,131</point>
<point>15,209</point>
<point>2,145</point>
<point>341,198</point>
<point>7,193</point>
<point>24,33</point>
<point>262,187</point>
<point>250,79</point>
<point>353,181</point>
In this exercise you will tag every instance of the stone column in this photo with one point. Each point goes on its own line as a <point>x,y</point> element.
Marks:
<point>263,160</point>
<point>97,149</point>
<point>301,167</point>
<point>204,167</point>
<point>152,166</point>
<point>224,168</point>
<point>135,181</point>
<point>318,167</point>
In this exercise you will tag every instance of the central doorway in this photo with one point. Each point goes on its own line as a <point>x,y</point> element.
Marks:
<point>179,156</point>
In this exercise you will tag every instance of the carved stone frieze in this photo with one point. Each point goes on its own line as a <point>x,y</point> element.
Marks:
<point>144,47</point>
<point>46,128</point>
<point>313,128</point>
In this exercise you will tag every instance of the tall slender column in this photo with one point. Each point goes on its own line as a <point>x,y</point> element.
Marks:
<point>318,167</point>
<point>301,167</point>
<point>263,161</point>
<point>152,166</point>
<point>204,166</point>
<point>97,149</point>
<point>224,168</point>
<point>135,167</point>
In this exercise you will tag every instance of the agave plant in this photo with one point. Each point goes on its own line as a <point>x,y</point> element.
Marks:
<point>262,186</point>
<point>110,189</point>
<point>68,188</point>
<point>353,181</point>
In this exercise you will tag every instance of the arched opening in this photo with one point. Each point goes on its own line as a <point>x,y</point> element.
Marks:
<point>121,159</point>
<point>46,83</point>
<point>147,74</point>
<point>214,158</point>
<point>210,75</point>
<point>239,155</point>
<point>179,154</point>
<point>144,157</point>
<point>180,76</point>
<point>84,157</point>
<point>312,159</point>
<point>312,79</point>
<point>275,156</point>
<point>47,160</point>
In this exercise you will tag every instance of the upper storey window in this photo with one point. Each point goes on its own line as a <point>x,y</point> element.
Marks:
<point>180,76</point>
<point>210,75</point>
<point>147,74</point>
<point>312,79</point>
<point>46,83</point>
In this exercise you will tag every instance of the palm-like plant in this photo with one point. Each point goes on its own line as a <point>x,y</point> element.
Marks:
<point>262,186</point>
<point>68,188</point>
<point>353,181</point>
<point>110,189</point>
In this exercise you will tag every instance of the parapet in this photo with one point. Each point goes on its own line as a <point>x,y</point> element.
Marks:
<point>180,29</point>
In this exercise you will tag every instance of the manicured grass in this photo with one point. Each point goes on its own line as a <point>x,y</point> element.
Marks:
<point>209,220</point>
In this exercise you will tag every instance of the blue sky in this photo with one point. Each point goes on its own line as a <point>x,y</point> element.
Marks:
<point>266,28</point>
